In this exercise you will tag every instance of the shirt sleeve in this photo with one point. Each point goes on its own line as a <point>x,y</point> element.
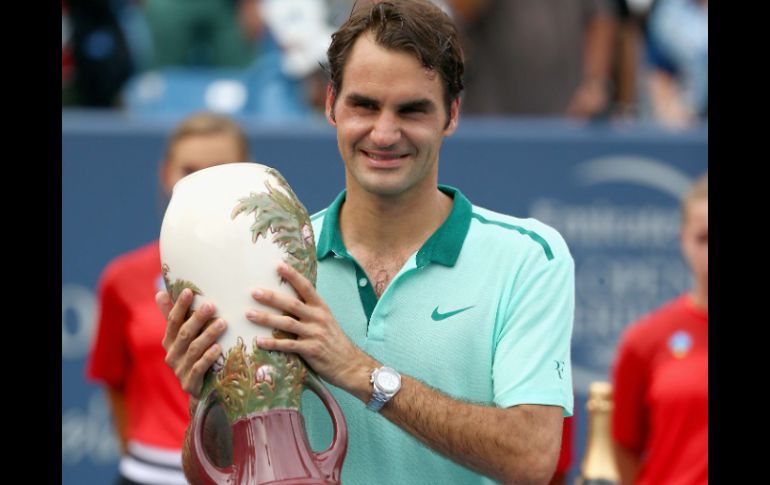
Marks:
<point>108,360</point>
<point>532,362</point>
<point>629,382</point>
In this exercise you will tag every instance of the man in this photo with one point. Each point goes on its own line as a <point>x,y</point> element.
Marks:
<point>472,308</point>
<point>539,58</point>
<point>148,406</point>
<point>660,373</point>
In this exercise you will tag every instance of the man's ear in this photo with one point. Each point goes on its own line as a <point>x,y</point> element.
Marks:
<point>163,175</point>
<point>454,117</point>
<point>330,98</point>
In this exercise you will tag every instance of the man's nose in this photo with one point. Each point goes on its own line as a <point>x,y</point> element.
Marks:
<point>386,130</point>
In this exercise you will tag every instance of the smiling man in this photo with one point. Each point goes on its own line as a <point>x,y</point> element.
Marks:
<point>443,327</point>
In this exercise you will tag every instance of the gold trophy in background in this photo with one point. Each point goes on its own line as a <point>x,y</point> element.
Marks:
<point>598,467</point>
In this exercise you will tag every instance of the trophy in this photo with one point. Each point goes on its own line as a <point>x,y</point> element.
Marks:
<point>598,467</point>
<point>224,232</point>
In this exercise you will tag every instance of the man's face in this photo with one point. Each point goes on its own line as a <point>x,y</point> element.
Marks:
<point>390,119</point>
<point>196,152</point>
<point>695,239</point>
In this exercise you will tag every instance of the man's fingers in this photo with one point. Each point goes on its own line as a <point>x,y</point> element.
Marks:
<point>278,322</point>
<point>201,343</point>
<point>191,349</point>
<point>193,326</point>
<point>192,383</point>
<point>176,316</point>
<point>285,303</point>
<point>164,303</point>
<point>304,306</point>
<point>282,345</point>
<point>196,358</point>
<point>302,285</point>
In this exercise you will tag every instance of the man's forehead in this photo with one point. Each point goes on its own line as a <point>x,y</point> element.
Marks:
<point>366,75</point>
<point>366,51</point>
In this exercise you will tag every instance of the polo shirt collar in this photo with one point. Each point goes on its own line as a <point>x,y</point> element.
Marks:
<point>330,240</point>
<point>443,247</point>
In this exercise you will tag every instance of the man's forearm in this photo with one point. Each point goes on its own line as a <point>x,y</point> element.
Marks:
<point>117,400</point>
<point>514,445</point>
<point>628,463</point>
<point>599,48</point>
<point>188,463</point>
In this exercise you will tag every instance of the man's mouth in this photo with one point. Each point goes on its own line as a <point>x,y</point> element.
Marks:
<point>384,159</point>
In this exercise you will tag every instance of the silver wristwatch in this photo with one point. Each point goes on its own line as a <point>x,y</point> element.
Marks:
<point>386,383</point>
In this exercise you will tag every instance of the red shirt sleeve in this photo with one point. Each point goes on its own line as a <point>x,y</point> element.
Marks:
<point>629,384</point>
<point>108,361</point>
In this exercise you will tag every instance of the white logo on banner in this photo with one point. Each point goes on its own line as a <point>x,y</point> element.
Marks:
<point>88,433</point>
<point>627,259</point>
<point>78,314</point>
<point>635,170</point>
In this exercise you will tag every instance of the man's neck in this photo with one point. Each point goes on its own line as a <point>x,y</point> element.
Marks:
<point>700,297</point>
<point>391,224</point>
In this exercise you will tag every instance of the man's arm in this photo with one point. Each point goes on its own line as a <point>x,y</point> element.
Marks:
<point>188,463</point>
<point>514,445</point>
<point>628,463</point>
<point>629,415</point>
<point>668,106</point>
<point>519,444</point>
<point>593,94</point>
<point>117,400</point>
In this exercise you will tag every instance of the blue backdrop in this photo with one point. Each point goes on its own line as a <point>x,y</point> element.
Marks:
<point>611,190</point>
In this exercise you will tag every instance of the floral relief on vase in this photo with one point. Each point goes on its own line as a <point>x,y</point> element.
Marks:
<point>247,379</point>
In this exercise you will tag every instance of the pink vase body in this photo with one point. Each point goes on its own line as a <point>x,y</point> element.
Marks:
<point>271,447</point>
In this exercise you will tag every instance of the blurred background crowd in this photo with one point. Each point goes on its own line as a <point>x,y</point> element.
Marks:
<point>630,60</point>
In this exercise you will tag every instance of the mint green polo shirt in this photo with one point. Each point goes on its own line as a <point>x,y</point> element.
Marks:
<point>482,312</point>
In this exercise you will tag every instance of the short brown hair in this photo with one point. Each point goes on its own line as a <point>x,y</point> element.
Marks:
<point>699,190</point>
<point>415,26</point>
<point>206,123</point>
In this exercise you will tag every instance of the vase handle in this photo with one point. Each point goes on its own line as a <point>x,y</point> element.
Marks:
<point>330,460</point>
<point>210,473</point>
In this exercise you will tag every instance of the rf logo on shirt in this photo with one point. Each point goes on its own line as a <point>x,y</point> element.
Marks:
<point>560,368</point>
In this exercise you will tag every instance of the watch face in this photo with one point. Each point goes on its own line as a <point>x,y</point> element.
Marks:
<point>387,381</point>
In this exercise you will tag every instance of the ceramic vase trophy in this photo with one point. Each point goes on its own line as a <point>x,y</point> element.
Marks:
<point>223,235</point>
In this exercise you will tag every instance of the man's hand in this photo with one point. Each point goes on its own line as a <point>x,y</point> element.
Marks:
<point>189,352</point>
<point>590,99</point>
<point>320,340</point>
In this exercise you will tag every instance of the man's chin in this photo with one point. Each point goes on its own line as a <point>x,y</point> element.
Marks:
<point>385,188</point>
